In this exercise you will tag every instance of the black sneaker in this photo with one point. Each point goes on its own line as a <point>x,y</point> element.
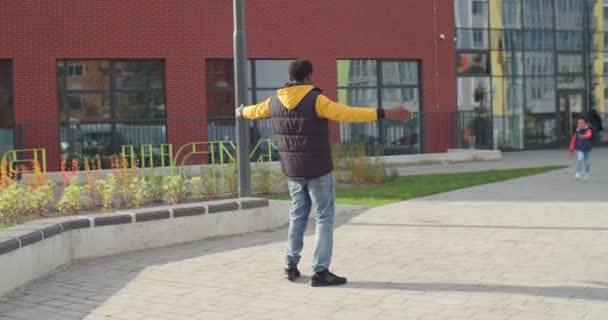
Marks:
<point>292,272</point>
<point>326,278</point>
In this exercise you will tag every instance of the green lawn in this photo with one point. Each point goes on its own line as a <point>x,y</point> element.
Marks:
<point>4,226</point>
<point>409,187</point>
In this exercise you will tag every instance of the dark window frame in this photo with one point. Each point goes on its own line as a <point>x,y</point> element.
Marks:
<point>112,93</point>
<point>11,99</point>
<point>478,7</point>
<point>380,87</point>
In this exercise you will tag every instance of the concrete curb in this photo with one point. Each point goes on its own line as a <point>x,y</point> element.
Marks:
<point>34,249</point>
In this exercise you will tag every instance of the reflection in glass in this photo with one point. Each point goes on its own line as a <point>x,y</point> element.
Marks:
<point>507,63</point>
<point>541,125</point>
<point>570,82</point>
<point>90,75</point>
<point>471,13</point>
<point>140,105</point>
<point>407,97</point>
<point>400,73</point>
<point>570,63</point>
<point>570,106</point>
<point>357,73</point>
<point>569,14</point>
<point>7,113</point>
<point>471,39</point>
<point>569,40</point>
<point>139,74</point>
<point>271,73</point>
<point>540,63</point>
<point>220,74</point>
<point>86,106</point>
<point>508,102</point>
<point>507,40</point>
<point>473,63</point>
<point>220,105</point>
<point>474,93</point>
<point>539,40</point>
<point>400,137</point>
<point>510,10</point>
<point>360,132</point>
<point>89,140</point>
<point>538,14</point>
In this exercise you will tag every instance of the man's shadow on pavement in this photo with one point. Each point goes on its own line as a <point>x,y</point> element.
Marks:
<point>565,292</point>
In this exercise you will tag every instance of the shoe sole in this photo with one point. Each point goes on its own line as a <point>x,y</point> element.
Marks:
<point>292,279</point>
<point>327,284</point>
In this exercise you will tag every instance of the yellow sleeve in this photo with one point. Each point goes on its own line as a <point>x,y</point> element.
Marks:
<point>258,111</point>
<point>335,111</point>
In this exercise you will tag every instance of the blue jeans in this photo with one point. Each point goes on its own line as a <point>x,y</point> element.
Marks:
<point>583,156</point>
<point>316,194</point>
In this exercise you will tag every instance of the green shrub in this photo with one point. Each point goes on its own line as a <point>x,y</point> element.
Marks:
<point>13,202</point>
<point>377,170</point>
<point>230,179</point>
<point>41,197</point>
<point>107,189</point>
<point>133,193</point>
<point>197,187</point>
<point>73,198</point>
<point>175,188</point>
<point>279,182</point>
<point>152,187</point>
<point>204,186</point>
<point>262,181</point>
<point>210,183</point>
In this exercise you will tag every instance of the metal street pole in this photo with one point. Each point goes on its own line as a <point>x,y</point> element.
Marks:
<point>240,92</point>
<point>586,58</point>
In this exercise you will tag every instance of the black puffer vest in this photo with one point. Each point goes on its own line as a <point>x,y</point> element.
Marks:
<point>302,138</point>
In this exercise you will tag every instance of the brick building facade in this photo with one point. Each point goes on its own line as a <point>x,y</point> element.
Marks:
<point>36,36</point>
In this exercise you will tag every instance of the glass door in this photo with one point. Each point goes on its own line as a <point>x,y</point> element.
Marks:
<point>570,106</point>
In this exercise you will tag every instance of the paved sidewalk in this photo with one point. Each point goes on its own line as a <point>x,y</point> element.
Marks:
<point>510,160</point>
<point>485,253</point>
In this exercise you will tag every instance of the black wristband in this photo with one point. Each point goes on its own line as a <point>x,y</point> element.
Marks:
<point>380,113</point>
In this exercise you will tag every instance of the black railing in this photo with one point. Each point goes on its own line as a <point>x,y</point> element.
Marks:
<point>425,132</point>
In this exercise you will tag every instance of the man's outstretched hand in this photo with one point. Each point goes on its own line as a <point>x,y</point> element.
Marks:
<point>397,113</point>
<point>238,112</point>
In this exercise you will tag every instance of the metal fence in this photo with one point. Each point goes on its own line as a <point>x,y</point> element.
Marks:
<point>150,140</point>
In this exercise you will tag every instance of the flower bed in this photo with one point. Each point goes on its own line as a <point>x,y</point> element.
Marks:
<point>124,186</point>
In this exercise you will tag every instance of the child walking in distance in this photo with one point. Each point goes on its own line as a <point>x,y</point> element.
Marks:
<point>581,143</point>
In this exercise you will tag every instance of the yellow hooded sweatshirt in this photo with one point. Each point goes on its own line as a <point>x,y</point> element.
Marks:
<point>291,96</point>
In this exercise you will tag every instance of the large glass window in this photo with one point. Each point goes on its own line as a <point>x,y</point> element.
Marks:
<point>472,39</point>
<point>474,93</point>
<point>569,14</point>
<point>569,41</point>
<point>473,64</point>
<point>264,78</point>
<point>540,63</point>
<point>539,51</point>
<point>541,121</point>
<point>538,14</point>
<point>105,104</point>
<point>536,40</point>
<point>511,12</point>
<point>382,84</point>
<point>471,13</point>
<point>7,111</point>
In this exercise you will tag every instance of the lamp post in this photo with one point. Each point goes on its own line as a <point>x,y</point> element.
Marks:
<point>240,92</point>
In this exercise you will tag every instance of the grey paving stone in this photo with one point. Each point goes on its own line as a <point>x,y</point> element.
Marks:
<point>476,254</point>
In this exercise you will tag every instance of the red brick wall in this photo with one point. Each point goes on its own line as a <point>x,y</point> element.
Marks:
<point>34,34</point>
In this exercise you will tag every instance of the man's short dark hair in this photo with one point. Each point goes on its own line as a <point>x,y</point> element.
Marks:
<point>299,70</point>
